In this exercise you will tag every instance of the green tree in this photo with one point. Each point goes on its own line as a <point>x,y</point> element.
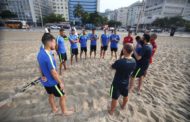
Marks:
<point>53,18</point>
<point>85,18</point>
<point>168,22</point>
<point>78,11</point>
<point>6,14</point>
<point>96,19</point>
<point>113,23</point>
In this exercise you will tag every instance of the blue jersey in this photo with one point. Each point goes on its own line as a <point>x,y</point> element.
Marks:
<point>114,40</point>
<point>138,48</point>
<point>83,40</point>
<point>61,45</point>
<point>47,63</point>
<point>105,39</point>
<point>93,38</point>
<point>73,38</point>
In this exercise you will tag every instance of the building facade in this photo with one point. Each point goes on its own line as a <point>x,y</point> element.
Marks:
<point>29,10</point>
<point>89,6</point>
<point>61,7</point>
<point>165,8</point>
<point>121,15</point>
<point>133,14</point>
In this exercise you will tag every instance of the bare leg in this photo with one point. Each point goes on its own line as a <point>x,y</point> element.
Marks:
<point>140,84</point>
<point>113,106</point>
<point>85,55</point>
<point>81,55</point>
<point>94,54</point>
<point>90,53</point>
<point>116,55</point>
<point>63,106</point>
<point>104,52</point>
<point>101,53</point>
<point>64,65</point>
<point>71,59</point>
<point>111,54</point>
<point>52,103</point>
<point>125,99</point>
<point>131,84</point>
<point>76,58</point>
<point>60,67</point>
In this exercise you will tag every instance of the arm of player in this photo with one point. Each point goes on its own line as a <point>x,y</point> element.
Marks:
<point>57,78</point>
<point>42,75</point>
<point>138,57</point>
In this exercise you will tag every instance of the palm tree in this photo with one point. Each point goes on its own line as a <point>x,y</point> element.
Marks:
<point>78,11</point>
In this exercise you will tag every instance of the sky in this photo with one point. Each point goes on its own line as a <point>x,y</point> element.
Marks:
<point>114,4</point>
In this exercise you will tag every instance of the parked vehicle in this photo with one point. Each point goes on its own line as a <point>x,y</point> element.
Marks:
<point>121,29</point>
<point>16,24</point>
<point>55,27</point>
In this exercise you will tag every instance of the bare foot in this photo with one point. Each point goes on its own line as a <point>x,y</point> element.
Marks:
<point>55,110</point>
<point>68,112</point>
<point>121,105</point>
<point>139,93</point>
<point>110,112</point>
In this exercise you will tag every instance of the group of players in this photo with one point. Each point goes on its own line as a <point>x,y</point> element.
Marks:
<point>82,39</point>
<point>132,63</point>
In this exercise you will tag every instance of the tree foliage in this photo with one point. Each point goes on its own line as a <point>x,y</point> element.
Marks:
<point>169,22</point>
<point>92,18</point>
<point>78,11</point>
<point>113,23</point>
<point>53,18</point>
<point>6,14</point>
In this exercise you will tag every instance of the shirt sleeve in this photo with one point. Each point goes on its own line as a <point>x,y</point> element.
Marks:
<point>115,65</point>
<point>142,52</point>
<point>70,38</point>
<point>50,63</point>
<point>118,38</point>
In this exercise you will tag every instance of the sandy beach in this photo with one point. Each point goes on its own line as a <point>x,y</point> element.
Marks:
<point>165,96</point>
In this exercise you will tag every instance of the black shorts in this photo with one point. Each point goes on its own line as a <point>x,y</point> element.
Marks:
<point>114,49</point>
<point>74,51</point>
<point>104,48</point>
<point>116,91</point>
<point>83,49</point>
<point>62,57</point>
<point>93,48</point>
<point>55,90</point>
<point>139,71</point>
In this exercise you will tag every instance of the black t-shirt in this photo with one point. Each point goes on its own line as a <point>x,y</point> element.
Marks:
<point>145,53</point>
<point>124,67</point>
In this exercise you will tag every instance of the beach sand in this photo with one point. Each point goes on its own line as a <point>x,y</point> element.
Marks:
<point>165,96</point>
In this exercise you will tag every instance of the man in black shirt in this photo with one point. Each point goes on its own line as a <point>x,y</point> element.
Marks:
<point>124,67</point>
<point>143,59</point>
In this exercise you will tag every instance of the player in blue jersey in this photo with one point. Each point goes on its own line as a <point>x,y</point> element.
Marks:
<point>104,44</point>
<point>83,43</point>
<point>114,39</point>
<point>73,38</point>
<point>61,50</point>
<point>93,37</point>
<point>53,84</point>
